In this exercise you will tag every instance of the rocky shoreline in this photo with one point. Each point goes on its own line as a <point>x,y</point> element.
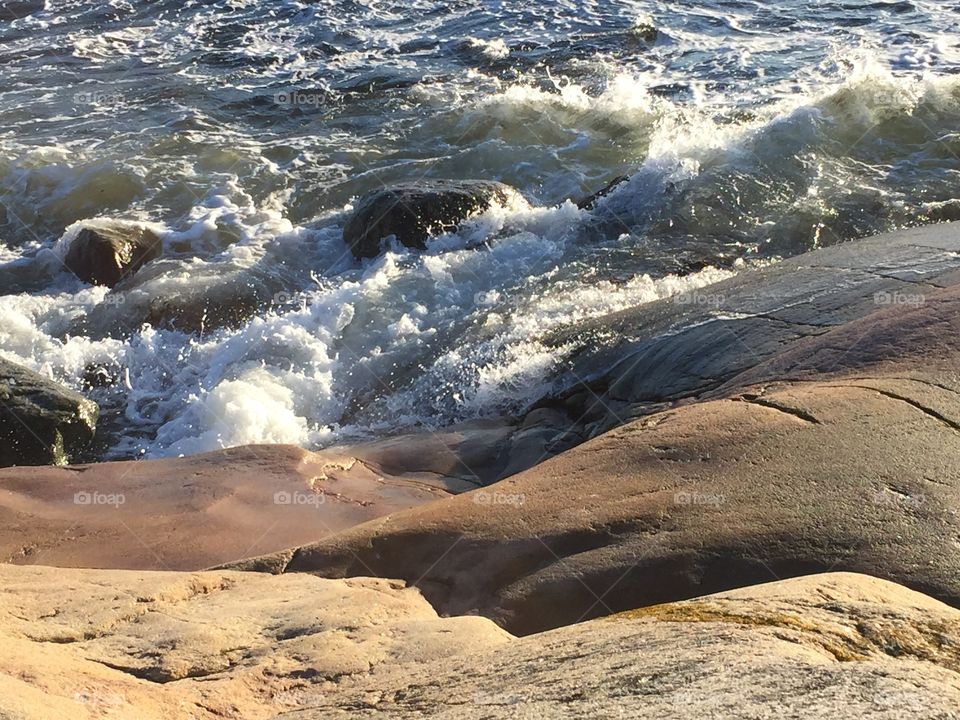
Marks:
<point>123,644</point>
<point>788,438</point>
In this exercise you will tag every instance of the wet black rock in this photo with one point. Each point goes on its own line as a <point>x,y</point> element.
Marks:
<point>189,296</point>
<point>645,31</point>
<point>41,422</point>
<point>104,253</point>
<point>588,202</point>
<point>413,211</point>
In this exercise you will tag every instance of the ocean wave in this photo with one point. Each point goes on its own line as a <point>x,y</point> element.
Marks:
<point>743,143</point>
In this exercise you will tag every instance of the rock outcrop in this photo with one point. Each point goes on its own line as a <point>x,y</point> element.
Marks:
<point>795,420</point>
<point>41,422</point>
<point>837,447</point>
<point>194,512</point>
<point>107,252</point>
<point>860,475</point>
<point>693,344</point>
<point>829,645</point>
<point>120,644</point>
<point>412,212</point>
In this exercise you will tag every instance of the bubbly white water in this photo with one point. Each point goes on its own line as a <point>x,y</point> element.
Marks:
<point>751,131</point>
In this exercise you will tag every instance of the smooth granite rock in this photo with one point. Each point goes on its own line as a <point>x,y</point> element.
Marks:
<point>121,644</point>
<point>735,484</point>
<point>194,512</point>
<point>836,645</point>
<point>693,343</point>
<point>90,644</point>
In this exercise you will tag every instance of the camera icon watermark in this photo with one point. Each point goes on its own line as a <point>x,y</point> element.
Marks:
<point>699,299</point>
<point>98,97</point>
<point>699,499</point>
<point>289,299</point>
<point>302,98</point>
<point>114,299</point>
<point>486,298</point>
<point>486,497</point>
<point>887,97</point>
<point>497,698</point>
<point>294,698</point>
<point>300,499</point>
<point>114,500</point>
<point>100,700</point>
<point>886,298</point>
<point>904,701</point>
<point>895,499</point>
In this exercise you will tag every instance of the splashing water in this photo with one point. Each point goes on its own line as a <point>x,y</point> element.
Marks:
<point>243,132</point>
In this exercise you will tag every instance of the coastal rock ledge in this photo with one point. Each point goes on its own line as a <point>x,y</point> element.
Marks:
<point>815,431</point>
<point>804,421</point>
<point>86,644</point>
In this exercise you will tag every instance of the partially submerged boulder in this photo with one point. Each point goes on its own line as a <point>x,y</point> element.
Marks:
<point>41,422</point>
<point>105,252</point>
<point>412,212</point>
<point>192,296</point>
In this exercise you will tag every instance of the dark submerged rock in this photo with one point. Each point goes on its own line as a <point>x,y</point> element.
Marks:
<point>588,202</point>
<point>645,31</point>
<point>413,211</point>
<point>104,253</point>
<point>218,295</point>
<point>41,422</point>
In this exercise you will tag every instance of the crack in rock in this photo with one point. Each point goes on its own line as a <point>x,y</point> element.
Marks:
<point>912,403</point>
<point>786,409</point>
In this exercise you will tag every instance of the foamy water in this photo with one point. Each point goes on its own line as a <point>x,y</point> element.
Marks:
<point>244,131</point>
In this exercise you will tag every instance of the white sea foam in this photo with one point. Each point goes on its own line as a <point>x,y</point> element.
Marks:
<point>290,375</point>
<point>495,49</point>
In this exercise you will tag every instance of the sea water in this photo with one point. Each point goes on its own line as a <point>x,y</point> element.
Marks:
<point>244,131</point>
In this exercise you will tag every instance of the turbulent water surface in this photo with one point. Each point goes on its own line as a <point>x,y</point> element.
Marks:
<point>244,130</point>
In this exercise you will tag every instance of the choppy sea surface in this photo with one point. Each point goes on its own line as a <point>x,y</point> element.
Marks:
<point>243,130</point>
